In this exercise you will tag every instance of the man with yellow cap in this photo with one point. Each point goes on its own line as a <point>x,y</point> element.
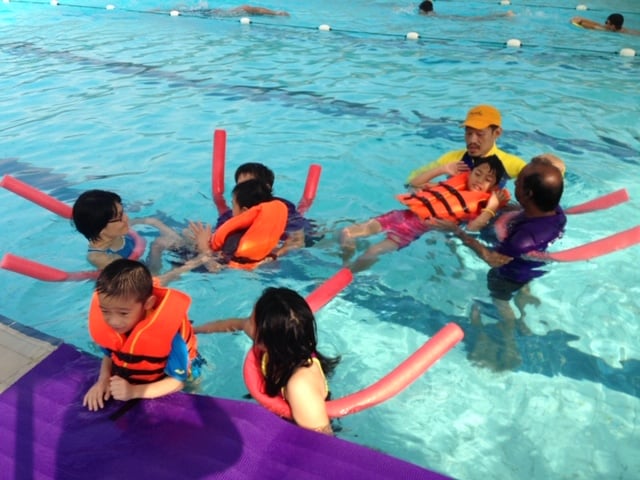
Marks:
<point>482,128</point>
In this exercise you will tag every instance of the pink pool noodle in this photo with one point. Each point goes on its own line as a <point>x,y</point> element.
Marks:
<point>310,188</point>
<point>36,196</point>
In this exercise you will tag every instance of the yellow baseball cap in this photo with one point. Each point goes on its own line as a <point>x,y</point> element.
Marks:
<point>483,116</point>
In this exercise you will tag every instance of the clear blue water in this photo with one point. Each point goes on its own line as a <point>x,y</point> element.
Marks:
<point>127,100</point>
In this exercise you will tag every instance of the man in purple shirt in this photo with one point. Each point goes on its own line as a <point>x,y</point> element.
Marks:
<point>538,191</point>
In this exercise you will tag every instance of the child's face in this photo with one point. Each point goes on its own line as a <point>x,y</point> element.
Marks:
<point>121,314</point>
<point>482,179</point>
<point>118,225</point>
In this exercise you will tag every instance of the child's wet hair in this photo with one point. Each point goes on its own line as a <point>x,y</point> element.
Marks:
<point>256,170</point>
<point>251,193</point>
<point>92,211</point>
<point>286,327</point>
<point>124,278</point>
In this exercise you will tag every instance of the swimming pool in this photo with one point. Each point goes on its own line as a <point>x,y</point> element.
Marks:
<point>127,100</point>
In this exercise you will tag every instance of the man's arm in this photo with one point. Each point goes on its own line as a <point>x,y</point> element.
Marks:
<point>491,257</point>
<point>586,23</point>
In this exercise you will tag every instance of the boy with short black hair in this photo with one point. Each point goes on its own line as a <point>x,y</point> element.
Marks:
<point>149,344</point>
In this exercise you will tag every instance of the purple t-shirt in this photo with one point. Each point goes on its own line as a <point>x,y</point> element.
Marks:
<point>525,235</point>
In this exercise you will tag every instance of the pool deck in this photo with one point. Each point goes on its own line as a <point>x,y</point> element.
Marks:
<point>21,349</point>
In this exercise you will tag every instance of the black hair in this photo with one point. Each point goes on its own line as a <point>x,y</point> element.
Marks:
<point>251,193</point>
<point>495,166</point>
<point>124,278</point>
<point>92,211</point>
<point>545,190</point>
<point>286,327</point>
<point>257,170</point>
<point>616,19</point>
<point>426,6</point>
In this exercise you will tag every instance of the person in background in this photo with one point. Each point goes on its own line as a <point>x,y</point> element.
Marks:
<point>613,23</point>
<point>238,11</point>
<point>482,128</point>
<point>283,327</point>
<point>150,348</point>
<point>538,189</point>
<point>426,8</point>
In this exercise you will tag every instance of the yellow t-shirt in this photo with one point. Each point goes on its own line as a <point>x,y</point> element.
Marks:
<point>512,163</point>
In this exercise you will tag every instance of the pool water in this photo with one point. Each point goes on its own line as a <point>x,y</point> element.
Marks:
<point>128,99</point>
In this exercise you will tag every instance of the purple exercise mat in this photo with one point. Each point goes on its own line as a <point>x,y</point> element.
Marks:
<point>46,433</point>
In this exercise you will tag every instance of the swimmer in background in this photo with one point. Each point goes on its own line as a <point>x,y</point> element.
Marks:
<point>426,8</point>
<point>613,23</point>
<point>239,11</point>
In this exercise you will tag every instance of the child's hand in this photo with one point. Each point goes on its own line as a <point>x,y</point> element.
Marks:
<point>201,236</point>
<point>96,396</point>
<point>120,388</point>
<point>497,199</point>
<point>455,168</point>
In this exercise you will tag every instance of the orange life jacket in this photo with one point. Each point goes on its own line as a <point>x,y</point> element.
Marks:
<point>264,224</point>
<point>141,355</point>
<point>449,200</point>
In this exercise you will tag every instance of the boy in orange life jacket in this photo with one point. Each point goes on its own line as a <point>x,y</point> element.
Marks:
<point>150,347</point>
<point>467,196</point>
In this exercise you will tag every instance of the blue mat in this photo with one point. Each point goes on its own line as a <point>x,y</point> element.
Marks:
<point>46,433</point>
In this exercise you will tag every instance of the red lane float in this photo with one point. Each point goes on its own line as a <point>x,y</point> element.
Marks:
<point>217,172</point>
<point>310,188</point>
<point>390,385</point>
<point>36,196</point>
<point>597,248</point>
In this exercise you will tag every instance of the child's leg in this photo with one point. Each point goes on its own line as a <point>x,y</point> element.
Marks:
<point>349,234</point>
<point>370,257</point>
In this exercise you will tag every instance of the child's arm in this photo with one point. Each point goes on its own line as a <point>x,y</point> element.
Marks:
<point>294,241</point>
<point>99,393</point>
<point>422,180</point>
<point>226,325</point>
<point>497,199</point>
<point>123,390</point>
